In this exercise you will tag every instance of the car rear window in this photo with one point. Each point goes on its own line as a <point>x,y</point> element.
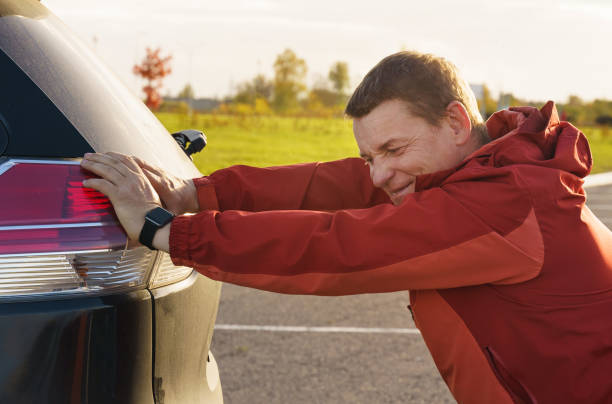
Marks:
<point>30,124</point>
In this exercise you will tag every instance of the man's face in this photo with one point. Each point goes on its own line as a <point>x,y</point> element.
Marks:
<point>398,146</point>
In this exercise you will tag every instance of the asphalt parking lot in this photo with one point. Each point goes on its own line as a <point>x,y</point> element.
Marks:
<point>351,349</point>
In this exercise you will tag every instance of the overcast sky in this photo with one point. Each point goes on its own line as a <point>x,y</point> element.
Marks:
<point>545,49</point>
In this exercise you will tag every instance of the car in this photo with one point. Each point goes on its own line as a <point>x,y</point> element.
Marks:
<point>85,314</point>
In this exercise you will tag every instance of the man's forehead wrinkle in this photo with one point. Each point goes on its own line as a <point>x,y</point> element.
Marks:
<point>378,148</point>
<point>383,143</point>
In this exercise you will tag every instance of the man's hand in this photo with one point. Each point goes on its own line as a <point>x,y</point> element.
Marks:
<point>178,195</point>
<point>125,184</point>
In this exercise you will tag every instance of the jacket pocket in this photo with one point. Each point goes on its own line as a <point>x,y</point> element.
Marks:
<point>515,388</point>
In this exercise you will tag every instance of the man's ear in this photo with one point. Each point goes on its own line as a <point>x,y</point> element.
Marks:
<point>459,122</point>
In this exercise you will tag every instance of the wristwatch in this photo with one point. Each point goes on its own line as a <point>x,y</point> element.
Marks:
<point>155,219</point>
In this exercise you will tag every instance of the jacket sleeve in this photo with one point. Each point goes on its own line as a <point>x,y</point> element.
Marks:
<point>431,241</point>
<point>314,186</point>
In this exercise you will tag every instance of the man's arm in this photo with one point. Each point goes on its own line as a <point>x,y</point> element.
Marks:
<point>430,241</point>
<point>341,184</point>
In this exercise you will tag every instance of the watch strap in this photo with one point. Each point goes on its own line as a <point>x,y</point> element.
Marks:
<point>155,219</point>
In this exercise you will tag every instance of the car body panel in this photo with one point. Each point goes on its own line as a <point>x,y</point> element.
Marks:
<point>106,349</point>
<point>91,350</point>
<point>181,360</point>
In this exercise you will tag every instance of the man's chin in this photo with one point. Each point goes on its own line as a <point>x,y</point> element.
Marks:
<point>398,197</point>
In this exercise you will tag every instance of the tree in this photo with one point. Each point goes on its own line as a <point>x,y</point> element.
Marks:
<point>574,101</point>
<point>339,76</point>
<point>576,110</point>
<point>289,75</point>
<point>325,96</point>
<point>261,106</point>
<point>250,91</point>
<point>262,87</point>
<point>153,69</point>
<point>490,105</point>
<point>186,93</point>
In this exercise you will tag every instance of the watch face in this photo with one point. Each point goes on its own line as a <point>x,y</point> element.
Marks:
<point>159,216</point>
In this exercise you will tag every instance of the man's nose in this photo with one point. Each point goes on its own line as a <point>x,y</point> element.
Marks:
<point>380,173</point>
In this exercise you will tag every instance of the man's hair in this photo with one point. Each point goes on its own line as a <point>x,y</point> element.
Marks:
<point>426,83</point>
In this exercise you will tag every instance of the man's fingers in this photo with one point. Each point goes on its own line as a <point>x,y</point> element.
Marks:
<point>108,160</point>
<point>128,161</point>
<point>103,158</point>
<point>100,185</point>
<point>153,173</point>
<point>125,184</point>
<point>103,170</point>
<point>146,166</point>
<point>153,178</point>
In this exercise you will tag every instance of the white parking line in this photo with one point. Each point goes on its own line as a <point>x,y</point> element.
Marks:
<point>280,328</point>
<point>596,180</point>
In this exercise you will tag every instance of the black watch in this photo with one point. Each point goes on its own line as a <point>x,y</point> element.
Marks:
<point>155,219</point>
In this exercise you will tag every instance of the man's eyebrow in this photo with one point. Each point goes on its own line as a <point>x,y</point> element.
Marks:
<point>382,147</point>
<point>387,144</point>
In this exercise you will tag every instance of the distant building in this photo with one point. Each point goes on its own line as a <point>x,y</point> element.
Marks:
<point>478,90</point>
<point>504,101</point>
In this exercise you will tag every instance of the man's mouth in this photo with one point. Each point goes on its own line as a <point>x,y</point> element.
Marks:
<point>398,194</point>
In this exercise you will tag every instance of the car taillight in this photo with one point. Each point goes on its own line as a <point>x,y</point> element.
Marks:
<point>58,237</point>
<point>167,273</point>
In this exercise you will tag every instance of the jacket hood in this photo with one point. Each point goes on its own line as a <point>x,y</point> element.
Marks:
<point>526,135</point>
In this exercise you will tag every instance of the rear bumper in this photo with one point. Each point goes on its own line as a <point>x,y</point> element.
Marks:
<point>104,349</point>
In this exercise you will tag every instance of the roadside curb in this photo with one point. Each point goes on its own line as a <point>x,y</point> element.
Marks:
<point>596,180</point>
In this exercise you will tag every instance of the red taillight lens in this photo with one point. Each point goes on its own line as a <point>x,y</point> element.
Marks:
<point>45,208</point>
<point>58,237</point>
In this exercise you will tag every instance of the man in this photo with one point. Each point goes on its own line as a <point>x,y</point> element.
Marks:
<point>510,274</point>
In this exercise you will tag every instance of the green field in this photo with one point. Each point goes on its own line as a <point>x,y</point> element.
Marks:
<point>601,148</point>
<point>265,141</point>
<point>268,141</point>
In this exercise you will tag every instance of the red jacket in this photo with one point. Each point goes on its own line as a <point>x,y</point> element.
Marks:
<point>510,274</point>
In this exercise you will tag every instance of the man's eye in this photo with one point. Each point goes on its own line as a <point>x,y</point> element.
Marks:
<point>395,150</point>
<point>367,160</point>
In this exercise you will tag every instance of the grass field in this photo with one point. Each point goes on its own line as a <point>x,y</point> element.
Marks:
<point>268,141</point>
<point>601,148</point>
<point>265,141</point>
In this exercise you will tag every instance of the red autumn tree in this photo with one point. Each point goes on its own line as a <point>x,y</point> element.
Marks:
<point>153,69</point>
